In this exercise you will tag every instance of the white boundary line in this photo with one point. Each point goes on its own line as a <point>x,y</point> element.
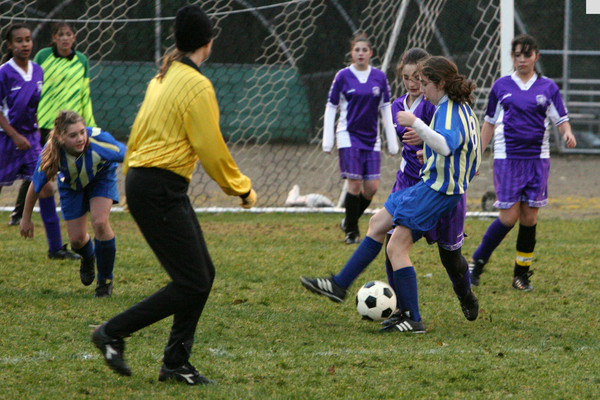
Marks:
<point>290,210</point>
<point>444,348</point>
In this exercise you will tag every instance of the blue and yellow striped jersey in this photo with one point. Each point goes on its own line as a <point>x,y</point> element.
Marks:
<point>451,174</point>
<point>76,172</point>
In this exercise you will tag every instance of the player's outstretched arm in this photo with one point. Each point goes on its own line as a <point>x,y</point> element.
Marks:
<point>26,226</point>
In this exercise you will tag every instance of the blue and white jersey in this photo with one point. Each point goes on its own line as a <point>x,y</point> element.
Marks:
<point>422,109</point>
<point>76,172</point>
<point>20,93</point>
<point>458,124</point>
<point>359,95</point>
<point>520,112</point>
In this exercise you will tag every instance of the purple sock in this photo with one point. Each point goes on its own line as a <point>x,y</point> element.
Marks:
<point>51,223</point>
<point>492,238</point>
<point>366,252</point>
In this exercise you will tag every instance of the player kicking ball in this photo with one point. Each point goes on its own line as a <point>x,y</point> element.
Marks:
<point>451,160</point>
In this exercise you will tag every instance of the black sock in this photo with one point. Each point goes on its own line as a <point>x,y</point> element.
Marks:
<point>525,247</point>
<point>20,202</point>
<point>363,204</point>
<point>352,212</point>
<point>457,269</point>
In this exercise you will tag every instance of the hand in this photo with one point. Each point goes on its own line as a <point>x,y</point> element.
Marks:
<point>250,200</point>
<point>411,138</point>
<point>26,228</point>
<point>570,140</point>
<point>405,118</point>
<point>21,142</point>
<point>420,156</point>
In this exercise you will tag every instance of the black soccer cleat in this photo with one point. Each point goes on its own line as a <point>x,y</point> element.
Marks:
<point>87,270</point>
<point>112,350</point>
<point>186,373</point>
<point>104,288</point>
<point>352,238</point>
<point>405,323</point>
<point>521,282</point>
<point>63,254</point>
<point>476,269</point>
<point>393,319</point>
<point>469,305</point>
<point>325,287</point>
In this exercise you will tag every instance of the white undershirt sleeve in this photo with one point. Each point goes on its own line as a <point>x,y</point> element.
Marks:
<point>433,139</point>
<point>329,127</point>
<point>388,128</point>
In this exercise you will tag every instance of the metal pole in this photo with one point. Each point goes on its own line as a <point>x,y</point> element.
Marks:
<point>394,37</point>
<point>566,46</point>
<point>507,32</point>
<point>157,32</point>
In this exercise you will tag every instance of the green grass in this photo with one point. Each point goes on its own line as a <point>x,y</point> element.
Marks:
<point>263,336</point>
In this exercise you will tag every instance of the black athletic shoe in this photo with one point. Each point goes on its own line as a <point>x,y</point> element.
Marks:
<point>326,287</point>
<point>469,305</point>
<point>14,220</point>
<point>186,373</point>
<point>405,324</point>
<point>352,238</point>
<point>393,319</point>
<point>343,224</point>
<point>63,254</point>
<point>521,282</point>
<point>476,269</point>
<point>87,270</point>
<point>112,350</point>
<point>104,288</point>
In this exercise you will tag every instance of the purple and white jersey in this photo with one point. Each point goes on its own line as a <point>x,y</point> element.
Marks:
<point>422,109</point>
<point>359,95</point>
<point>20,93</point>
<point>520,112</point>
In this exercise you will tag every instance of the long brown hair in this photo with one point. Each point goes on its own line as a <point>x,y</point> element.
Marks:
<point>457,87</point>
<point>168,59</point>
<point>50,157</point>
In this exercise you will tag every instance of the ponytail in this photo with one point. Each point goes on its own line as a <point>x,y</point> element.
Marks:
<point>168,59</point>
<point>457,87</point>
<point>50,157</point>
<point>460,89</point>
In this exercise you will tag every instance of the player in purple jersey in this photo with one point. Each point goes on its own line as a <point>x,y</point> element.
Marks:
<point>362,93</point>
<point>84,160</point>
<point>20,89</point>
<point>452,159</point>
<point>518,107</point>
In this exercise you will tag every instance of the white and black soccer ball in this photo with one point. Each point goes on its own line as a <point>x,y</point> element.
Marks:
<point>375,301</point>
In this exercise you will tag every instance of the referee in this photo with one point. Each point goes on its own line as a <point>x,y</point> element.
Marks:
<point>177,125</point>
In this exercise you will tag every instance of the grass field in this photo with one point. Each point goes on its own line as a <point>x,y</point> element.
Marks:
<point>263,336</point>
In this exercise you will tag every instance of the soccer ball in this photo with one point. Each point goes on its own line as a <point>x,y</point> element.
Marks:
<point>375,301</point>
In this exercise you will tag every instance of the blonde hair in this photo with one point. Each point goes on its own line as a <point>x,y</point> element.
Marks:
<point>50,157</point>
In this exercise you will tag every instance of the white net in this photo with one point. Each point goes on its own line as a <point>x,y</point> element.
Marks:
<point>272,65</point>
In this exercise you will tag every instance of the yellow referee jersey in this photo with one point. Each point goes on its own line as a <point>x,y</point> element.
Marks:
<point>178,124</point>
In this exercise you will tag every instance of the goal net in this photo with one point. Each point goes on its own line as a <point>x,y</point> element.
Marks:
<point>272,66</point>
